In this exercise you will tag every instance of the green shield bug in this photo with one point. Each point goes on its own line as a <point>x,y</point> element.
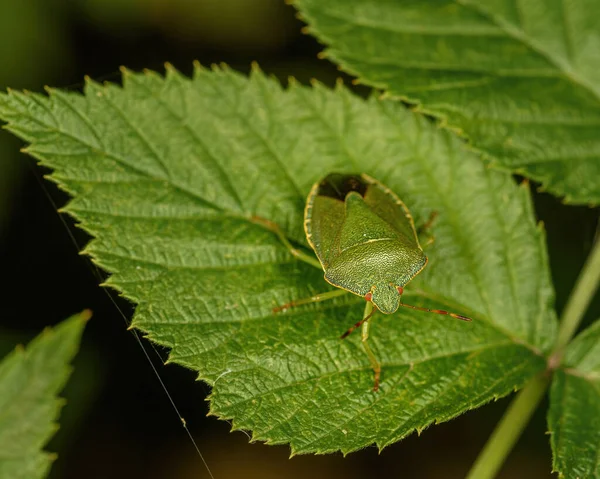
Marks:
<point>366,243</point>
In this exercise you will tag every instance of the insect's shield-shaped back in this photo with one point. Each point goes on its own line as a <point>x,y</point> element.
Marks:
<point>364,237</point>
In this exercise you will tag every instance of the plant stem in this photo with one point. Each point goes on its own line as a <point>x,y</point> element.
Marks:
<point>509,429</point>
<point>519,412</point>
<point>580,298</point>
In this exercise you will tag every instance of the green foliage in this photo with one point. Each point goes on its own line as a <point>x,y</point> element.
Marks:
<point>574,415</point>
<point>30,379</point>
<point>522,80</point>
<point>169,176</point>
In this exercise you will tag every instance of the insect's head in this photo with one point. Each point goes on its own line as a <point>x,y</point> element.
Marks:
<point>386,297</point>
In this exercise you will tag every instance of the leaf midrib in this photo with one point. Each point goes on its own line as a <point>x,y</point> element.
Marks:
<point>367,367</point>
<point>520,35</point>
<point>562,69</point>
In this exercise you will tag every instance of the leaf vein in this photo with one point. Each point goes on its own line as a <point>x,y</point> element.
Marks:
<point>138,132</point>
<point>275,156</point>
<point>198,140</point>
<point>520,35</point>
<point>478,349</point>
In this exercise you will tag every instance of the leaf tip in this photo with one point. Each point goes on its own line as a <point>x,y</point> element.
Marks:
<point>322,55</point>
<point>86,315</point>
<point>300,17</point>
<point>198,68</point>
<point>91,86</point>
<point>524,184</point>
<point>64,210</point>
<point>254,67</point>
<point>47,331</point>
<point>60,402</point>
<point>541,226</point>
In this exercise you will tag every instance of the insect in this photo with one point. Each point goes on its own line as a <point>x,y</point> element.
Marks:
<point>366,243</point>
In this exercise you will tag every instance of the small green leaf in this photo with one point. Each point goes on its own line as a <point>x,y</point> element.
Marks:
<point>30,380</point>
<point>574,415</point>
<point>170,174</point>
<point>522,80</point>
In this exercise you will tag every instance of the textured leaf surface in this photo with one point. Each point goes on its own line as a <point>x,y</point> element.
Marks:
<point>30,380</point>
<point>521,79</point>
<point>574,415</point>
<point>168,175</point>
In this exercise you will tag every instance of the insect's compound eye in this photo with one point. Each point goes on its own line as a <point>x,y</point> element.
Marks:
<point>369,296</point>
<point>400,290</point>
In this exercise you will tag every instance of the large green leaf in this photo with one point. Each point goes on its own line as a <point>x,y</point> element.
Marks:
<point>574,415</point>
<point>169,175</point>
<point>30,379</point>
<point>521,79</point>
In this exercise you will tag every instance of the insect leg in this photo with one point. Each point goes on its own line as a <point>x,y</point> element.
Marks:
<point>365,336</point>
<point>425,226</point>
<point>425,236</point>
<point>302,256</point>
<point>313,299</point>
<point>358,325</point>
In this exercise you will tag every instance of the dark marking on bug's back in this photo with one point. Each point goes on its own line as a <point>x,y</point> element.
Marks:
<point>338,185</point>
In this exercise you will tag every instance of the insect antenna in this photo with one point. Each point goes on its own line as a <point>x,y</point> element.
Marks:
<point>437,311</point>
<point>427,310</point>
<point>358,325</point>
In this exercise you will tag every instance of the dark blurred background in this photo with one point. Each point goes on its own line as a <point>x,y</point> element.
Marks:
<point>118,422</point>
